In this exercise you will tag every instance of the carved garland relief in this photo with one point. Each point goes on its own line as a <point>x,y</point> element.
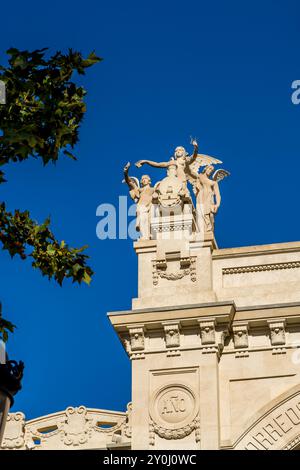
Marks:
<point>159,270</point>
<point>174,413</point>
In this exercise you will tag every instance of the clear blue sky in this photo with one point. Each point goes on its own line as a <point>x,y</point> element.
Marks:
<point>219,70</point>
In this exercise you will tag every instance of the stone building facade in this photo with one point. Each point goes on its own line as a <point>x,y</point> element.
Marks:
<point>214,342</point>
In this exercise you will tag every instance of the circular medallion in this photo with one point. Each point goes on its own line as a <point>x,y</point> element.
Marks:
<point>173,406</point>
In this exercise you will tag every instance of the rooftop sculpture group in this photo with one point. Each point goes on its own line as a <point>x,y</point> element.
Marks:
<point>172,191</point>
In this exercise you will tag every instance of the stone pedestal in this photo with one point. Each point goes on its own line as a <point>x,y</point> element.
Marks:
<point>177,263</point>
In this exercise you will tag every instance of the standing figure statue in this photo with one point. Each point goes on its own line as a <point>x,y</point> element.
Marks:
<point>142,194</point>
<point>180,158</point>
<point>208,197</point>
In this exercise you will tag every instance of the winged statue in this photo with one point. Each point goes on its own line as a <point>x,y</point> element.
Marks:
<point>205,185</point>
<point>198,170</point>
<point>142,194</point>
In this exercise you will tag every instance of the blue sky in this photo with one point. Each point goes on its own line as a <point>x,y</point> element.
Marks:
<point>221,71</point>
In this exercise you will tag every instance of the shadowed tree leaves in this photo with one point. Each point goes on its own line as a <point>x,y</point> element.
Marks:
<point>22,236</point>
<point>41,119</point>
<point>44,108</point>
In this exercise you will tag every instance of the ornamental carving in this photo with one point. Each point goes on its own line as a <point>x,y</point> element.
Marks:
<point>277,333</point>
<point>240,336</point>
<point>207,332</point>
<point>175,434</point>
<point>261,267</point>
<point>174,413</point>
<point>187,268</point>
<point>137,340</point>
<point>14,431</point>
<point>128,425</point>
<point>77,427</point>
<point>172,335</point>
<point>172,227</point>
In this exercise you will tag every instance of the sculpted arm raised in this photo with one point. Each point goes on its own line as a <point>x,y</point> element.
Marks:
<point>131,184</point>
<point>153,164</point>
<point>195,153</point>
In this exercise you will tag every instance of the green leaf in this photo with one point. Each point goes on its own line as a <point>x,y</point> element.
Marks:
<point>50,250</point>
<point>86,278</point>
<point>69,154</point>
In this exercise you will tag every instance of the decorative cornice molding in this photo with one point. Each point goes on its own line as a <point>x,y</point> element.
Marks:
<point>212,338</point>
<point>261,268</point>
<point>159,228</point>
<point>256,250</point>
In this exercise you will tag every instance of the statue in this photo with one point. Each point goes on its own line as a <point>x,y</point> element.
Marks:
<point>142,194</point>
<point>206,189</point>
<point>180,160</point>
<point>172,191</point>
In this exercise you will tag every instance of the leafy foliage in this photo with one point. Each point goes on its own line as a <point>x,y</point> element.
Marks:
<point>43,108</point>
<point>18,233</point>
<point>5,328</point>
<point>41,119</point>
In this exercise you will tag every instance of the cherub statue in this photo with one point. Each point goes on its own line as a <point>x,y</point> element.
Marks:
<point>206,189</point>
<point>142,194</point>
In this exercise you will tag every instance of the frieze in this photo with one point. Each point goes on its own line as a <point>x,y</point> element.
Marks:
<point>260,268</point>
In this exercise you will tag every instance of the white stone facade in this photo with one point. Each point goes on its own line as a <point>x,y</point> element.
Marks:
<point>74,428</point>
<point>214,340</point>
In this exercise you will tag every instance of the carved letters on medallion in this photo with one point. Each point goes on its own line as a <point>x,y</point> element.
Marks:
<point>174,413</point>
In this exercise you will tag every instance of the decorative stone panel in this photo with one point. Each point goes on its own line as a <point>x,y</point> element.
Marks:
<point>137,339</point>
<point>172,335</point>
<point>207,332</point>
<point>240,336</point>
<point>14,431</point>
<point>277,332</point>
